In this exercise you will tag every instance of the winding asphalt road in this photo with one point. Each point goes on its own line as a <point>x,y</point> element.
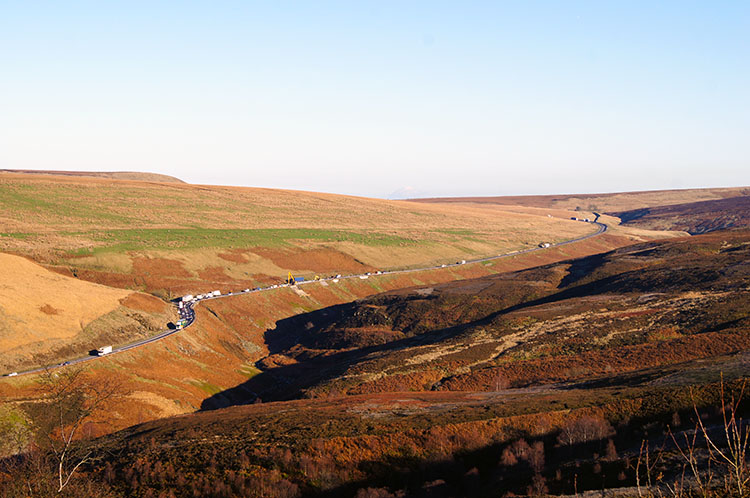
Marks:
<point>187,312</point>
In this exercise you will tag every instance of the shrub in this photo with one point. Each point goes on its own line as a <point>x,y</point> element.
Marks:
<point>584,430</point>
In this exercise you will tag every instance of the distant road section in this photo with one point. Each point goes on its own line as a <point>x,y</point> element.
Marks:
<point>187,311</point>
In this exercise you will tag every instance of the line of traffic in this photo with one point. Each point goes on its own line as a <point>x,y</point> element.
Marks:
<point>186,304</point>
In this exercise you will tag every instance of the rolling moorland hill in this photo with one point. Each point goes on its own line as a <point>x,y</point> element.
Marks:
<point>606,203</point>
<point>447,383</point>
<point>692,217</point>
<point>540,380</point>
<point>430,343</point>
<point>172,239</point>
<point>220,350</point>
<point>45,316</point>
<point>112,175</point>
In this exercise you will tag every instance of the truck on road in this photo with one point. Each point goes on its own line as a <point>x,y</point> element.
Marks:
<point>292,280</point>
<point>104,350</point>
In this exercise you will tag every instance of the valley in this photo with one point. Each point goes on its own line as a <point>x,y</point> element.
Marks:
<point>442,381</point>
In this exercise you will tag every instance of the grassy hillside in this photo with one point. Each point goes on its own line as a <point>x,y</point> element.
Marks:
<point>47,317</point>
<point>173,239</point>
<point>178,237</point>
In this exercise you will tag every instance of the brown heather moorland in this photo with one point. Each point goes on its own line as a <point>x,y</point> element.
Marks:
<point>161,237</point>
<point>170,239</point>
<point>542,380</point>
<point>220,350</point>
<point>693,217</point>
<point>542,372</point>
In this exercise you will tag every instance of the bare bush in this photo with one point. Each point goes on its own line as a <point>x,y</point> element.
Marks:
<point>733,456</point>
<point>584,430</point>
<point>508,458</point>
<point>610,454</point>
<point>715,457</point>
<point>374,493</point>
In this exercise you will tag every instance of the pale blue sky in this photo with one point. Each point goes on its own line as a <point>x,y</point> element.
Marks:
<point>372,98</point>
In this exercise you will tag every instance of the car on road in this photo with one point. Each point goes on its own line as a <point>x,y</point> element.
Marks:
<point>12,374</point>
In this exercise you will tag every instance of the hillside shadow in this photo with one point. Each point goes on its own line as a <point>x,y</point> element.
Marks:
<point>284,378</point>
<point>289,381</point>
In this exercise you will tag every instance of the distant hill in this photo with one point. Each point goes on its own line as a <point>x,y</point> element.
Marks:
<point>692,217</point>
<point>608,203</point>
<point>114,175</point>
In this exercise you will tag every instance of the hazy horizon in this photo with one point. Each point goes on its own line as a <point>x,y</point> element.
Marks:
<point>383,99</point>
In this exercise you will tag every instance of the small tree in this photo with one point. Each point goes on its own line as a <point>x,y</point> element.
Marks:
<point>70,399</point>
<point>610,455</point>
<point>584,430</point>
<point>538,486</point>
<point>536,457</point>
<point>500,382</point>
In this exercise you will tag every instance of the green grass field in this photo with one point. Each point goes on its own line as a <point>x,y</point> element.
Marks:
<point>196,238</point>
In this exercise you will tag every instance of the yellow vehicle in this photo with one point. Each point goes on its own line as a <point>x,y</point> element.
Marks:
<point>292,280</point>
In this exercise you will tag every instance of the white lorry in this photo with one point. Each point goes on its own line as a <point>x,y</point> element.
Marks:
<point>104,350</point>
<point>187,298</point>
<point>216,293</point>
